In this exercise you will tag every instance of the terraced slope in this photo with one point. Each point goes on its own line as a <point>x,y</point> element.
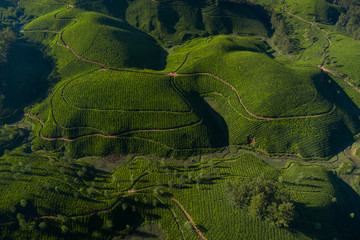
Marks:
<point>101,205</point>
<point>211,92</point>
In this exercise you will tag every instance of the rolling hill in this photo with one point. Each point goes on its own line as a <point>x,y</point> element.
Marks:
<point>131,118</point>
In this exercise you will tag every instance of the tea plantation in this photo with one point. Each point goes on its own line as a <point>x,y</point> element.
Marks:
<point>135,119</point>
<point>120,91</point>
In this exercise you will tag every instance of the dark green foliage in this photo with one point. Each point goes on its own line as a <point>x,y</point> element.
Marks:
<point>7,37</point>
<point>173,22</point>
<point>23,79</point>
<point>350,20</point>
<point>42,225</point>
<point>264,199</point>
<point>281,37</point>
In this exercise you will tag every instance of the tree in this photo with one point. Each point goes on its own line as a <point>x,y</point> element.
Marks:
<point>182,180</point>
<point>132,178</point>
<point>156,191</point>
<point>62,170</point>
<point>258,205</point>
<point>281,215</point>
<point>21,219</point>
<point>80,173</point>
<point>159,182</point>
<point>171,183</point>
<point>7,37</point>
<point>90,190</point>
<point>64,229</point>
<point>23,203</point>
<point>124,206</point>
<point>191,177</point>
<point>211,164</point>
<point>62,218</point>
<point>108,224</point>
<point>264,199</point>
<point>42,225</point>
<point>107,193</point>
<point>188,225</point>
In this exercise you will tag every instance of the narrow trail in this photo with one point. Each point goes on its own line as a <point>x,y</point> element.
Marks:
<point>339,75</point>
<point>352,159</point>
<point>174,74</point>
<point>103,135</point>
<point>317,27</point>
<point>42,126</point>
<point>198,232</point>
<point>171,74</point>
<point>321,66</point>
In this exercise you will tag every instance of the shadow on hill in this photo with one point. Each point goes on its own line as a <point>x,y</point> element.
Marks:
<point>217,130</point>
<point>231,17</point>
<point>114,8</point>
<point>173,22</point>
<point>5,4</point>
<point>23,79</point>
<point>332,221</point>
<point>348,201</point>
<point>342,132</point>
<point>134,48</point>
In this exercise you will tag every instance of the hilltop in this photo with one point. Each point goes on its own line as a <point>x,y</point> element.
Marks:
<point>133,118</point>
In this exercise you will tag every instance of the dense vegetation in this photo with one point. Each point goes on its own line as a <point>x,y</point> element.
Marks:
<point>264,199</point>
<point>7,37</point>
<point>86,202</point>
<point>349,18</point>
<point>100,126</point>
<point>103,99</point>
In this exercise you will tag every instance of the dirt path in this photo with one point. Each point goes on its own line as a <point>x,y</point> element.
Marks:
<point>314,25</point>
<point>200,235</point>
<point>339,75</point>
<point>352,159</point>
<point>174,74</point>
<point>42,126</point>
<point>321,66</point>
<point>106,136</point>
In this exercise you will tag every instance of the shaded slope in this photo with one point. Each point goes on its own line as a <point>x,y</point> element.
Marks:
<point>173,22</point>
<point>23,79</point>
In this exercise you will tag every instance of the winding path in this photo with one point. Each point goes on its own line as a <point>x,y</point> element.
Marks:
<point>321,66</point>
<point>174,74</point>
<point>198,232</point>
<point>171,74</point>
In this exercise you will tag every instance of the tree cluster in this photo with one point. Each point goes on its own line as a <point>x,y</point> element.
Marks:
<point>281,37</point>
<point>7,37</point>
<point>264,199</point>
<point>349,19</point>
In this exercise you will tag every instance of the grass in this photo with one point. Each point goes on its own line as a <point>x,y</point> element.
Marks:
<point>343,56</point>
<point>115,91</point>
<point>176,105</point>
<point>206,202</point>
<point>172,123</point>
<point>173,22</point>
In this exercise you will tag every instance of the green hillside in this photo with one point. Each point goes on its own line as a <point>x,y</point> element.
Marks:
<point>179,119</point>
<point>124,120</point>
<point>100,205</point>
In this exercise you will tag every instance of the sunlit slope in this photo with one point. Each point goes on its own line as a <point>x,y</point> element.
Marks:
<point>225,90</point>
<point>304,112</point>
<point>111,42</point>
